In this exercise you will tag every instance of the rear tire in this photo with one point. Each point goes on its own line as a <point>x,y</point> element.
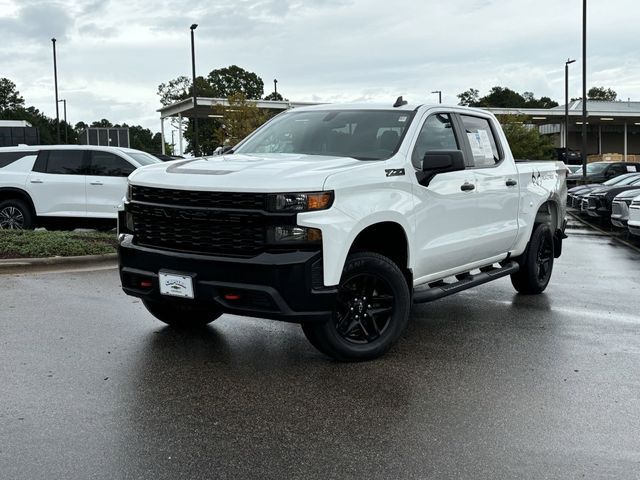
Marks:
<point>181,316</point>
<point>15,215</point>
<point>536,265</point>
<point>371,313</point>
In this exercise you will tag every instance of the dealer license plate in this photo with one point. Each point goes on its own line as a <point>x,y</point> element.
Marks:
<point>176,285</point>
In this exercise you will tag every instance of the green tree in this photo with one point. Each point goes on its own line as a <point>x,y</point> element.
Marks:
<point>601,93</point>
<point>525,140</point>
<point>104,123</point>
<point>274,96</point>
<point>470,98</point>
<point>10,98</point>
<point>228,81</point>
<point>239,119</point>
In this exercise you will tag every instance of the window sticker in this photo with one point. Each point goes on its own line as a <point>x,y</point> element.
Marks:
<point>631,168</point>
<point>474,141</point>
<point>485,144</point>
<point>403,118</point>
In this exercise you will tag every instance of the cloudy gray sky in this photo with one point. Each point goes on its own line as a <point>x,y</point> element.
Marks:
<point>113,54</point>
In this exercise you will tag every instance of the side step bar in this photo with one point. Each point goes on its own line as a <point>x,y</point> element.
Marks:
<point>441,289</point>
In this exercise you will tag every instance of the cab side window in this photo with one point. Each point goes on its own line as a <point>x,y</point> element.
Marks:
<point>106,164</point>
<point>436,134</point>
<point>481,140</point>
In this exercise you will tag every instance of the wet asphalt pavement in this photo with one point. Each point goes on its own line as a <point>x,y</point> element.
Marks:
<point>484,384</point>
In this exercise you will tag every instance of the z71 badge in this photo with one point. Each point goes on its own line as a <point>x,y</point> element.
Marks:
<point>394,172</point>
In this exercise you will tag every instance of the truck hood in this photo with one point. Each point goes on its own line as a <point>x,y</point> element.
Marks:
<point>281,172</point>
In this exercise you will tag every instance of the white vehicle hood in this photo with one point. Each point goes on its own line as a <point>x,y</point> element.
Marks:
<point>280,172</point>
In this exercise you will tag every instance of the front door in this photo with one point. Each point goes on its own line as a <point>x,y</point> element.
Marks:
<point>106,183</point>
<point>445,207</point>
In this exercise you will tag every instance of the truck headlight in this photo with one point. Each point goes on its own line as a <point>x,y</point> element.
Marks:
<point>292,234</point>
<point>300,202</point>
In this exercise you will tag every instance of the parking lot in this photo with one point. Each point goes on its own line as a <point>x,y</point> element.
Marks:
<point>483,384</point>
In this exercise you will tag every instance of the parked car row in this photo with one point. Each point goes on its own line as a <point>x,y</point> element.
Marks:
<point>617,201</point>
<point>65,186</point>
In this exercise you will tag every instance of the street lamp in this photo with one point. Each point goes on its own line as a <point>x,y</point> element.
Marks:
<point>66,135</point>
<point>439,92</point>
<point>566,106</point>
<point>195,100</point>
<point>55,83</point>
<point>584,91</point>
<point>275,86</point>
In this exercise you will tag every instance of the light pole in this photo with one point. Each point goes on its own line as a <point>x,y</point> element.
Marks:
<point>584,90</point>
<point>275,86</point>
<point>195,100</point>
<point>566,106</point>
<point>64,109</point>
<point>439,92</point>
<point>55,83</point>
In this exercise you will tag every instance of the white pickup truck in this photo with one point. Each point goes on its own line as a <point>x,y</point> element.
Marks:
<point>339,217</point>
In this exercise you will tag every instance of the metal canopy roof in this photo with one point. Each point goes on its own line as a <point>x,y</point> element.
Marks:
<point>205,106</point>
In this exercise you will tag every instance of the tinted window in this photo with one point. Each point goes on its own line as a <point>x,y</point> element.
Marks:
<point>144,158</point>
<point>361,134</point>
<point>436,134</point>
<point>109,165</point>
<point>66,162</point>
<point>9,157</point>
<point>483,143</point>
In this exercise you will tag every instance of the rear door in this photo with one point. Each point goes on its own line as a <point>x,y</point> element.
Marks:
<point>106,183</point>
<point>497,190</point>
<point>57,183</point>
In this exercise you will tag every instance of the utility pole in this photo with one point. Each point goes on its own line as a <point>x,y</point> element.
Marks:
<point>275,86</point>
<point>55,83</point>
<point>195,99</point>
<point>584,91</point>
<point>66,130</point>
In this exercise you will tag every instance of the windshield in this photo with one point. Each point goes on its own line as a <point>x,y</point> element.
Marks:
<point>595,168</point>
<point>360,134</point>
<point>623,179</point>
<point>143,158</point>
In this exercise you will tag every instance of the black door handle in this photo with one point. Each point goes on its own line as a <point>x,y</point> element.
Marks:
<point>511,183</point>
<point>467,187</point>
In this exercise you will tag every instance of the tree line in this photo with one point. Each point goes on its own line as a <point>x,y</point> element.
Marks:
<point>13,107</point>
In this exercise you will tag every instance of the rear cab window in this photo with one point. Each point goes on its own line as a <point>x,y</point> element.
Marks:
<point>482,141</point>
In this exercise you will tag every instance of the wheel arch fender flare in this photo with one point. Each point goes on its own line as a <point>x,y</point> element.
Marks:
<point>8,193</point>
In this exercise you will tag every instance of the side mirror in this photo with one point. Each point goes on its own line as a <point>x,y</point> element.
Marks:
<point>440,161</point>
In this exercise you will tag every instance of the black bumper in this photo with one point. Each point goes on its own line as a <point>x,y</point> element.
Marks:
<point>281,286</point>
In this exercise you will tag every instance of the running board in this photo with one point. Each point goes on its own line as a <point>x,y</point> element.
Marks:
<point>441,289</point>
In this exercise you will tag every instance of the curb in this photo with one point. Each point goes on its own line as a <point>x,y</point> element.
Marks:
<point>24,265</point>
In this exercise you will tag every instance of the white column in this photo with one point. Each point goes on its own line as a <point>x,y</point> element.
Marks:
<point>180,133</point>
<point>562,135</point>
<point>625,141</point>
<point>599,139</point>
<point>162,134</point>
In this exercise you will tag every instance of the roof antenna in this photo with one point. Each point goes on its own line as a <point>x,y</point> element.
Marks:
<point>399,102</point>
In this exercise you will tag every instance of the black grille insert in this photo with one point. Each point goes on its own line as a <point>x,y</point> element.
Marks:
<point>188,198</point>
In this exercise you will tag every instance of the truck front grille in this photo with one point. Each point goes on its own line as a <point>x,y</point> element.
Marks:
<point>188,198</point>
<point>212,223</point>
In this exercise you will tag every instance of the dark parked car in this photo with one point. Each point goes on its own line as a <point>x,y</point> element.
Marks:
<point>598,203</point>
<point>576,194</point>
<point>598,172</point>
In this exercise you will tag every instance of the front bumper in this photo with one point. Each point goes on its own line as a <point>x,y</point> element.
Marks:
<point>282,286</point>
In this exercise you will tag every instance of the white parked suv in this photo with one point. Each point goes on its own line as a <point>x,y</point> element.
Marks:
<point>339,217</point>
<point>633,223</point>
<point>64,186</point>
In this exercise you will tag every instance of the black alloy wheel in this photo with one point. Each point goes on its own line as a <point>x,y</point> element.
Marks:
<point>365,308</point>
<point>372,310</point>
<point>536,264</point>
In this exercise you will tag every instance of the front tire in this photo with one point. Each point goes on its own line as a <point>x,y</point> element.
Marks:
<point>15,215</point>
<point>536,265</point>
<point>372,310</point>
<point>181,315</point>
